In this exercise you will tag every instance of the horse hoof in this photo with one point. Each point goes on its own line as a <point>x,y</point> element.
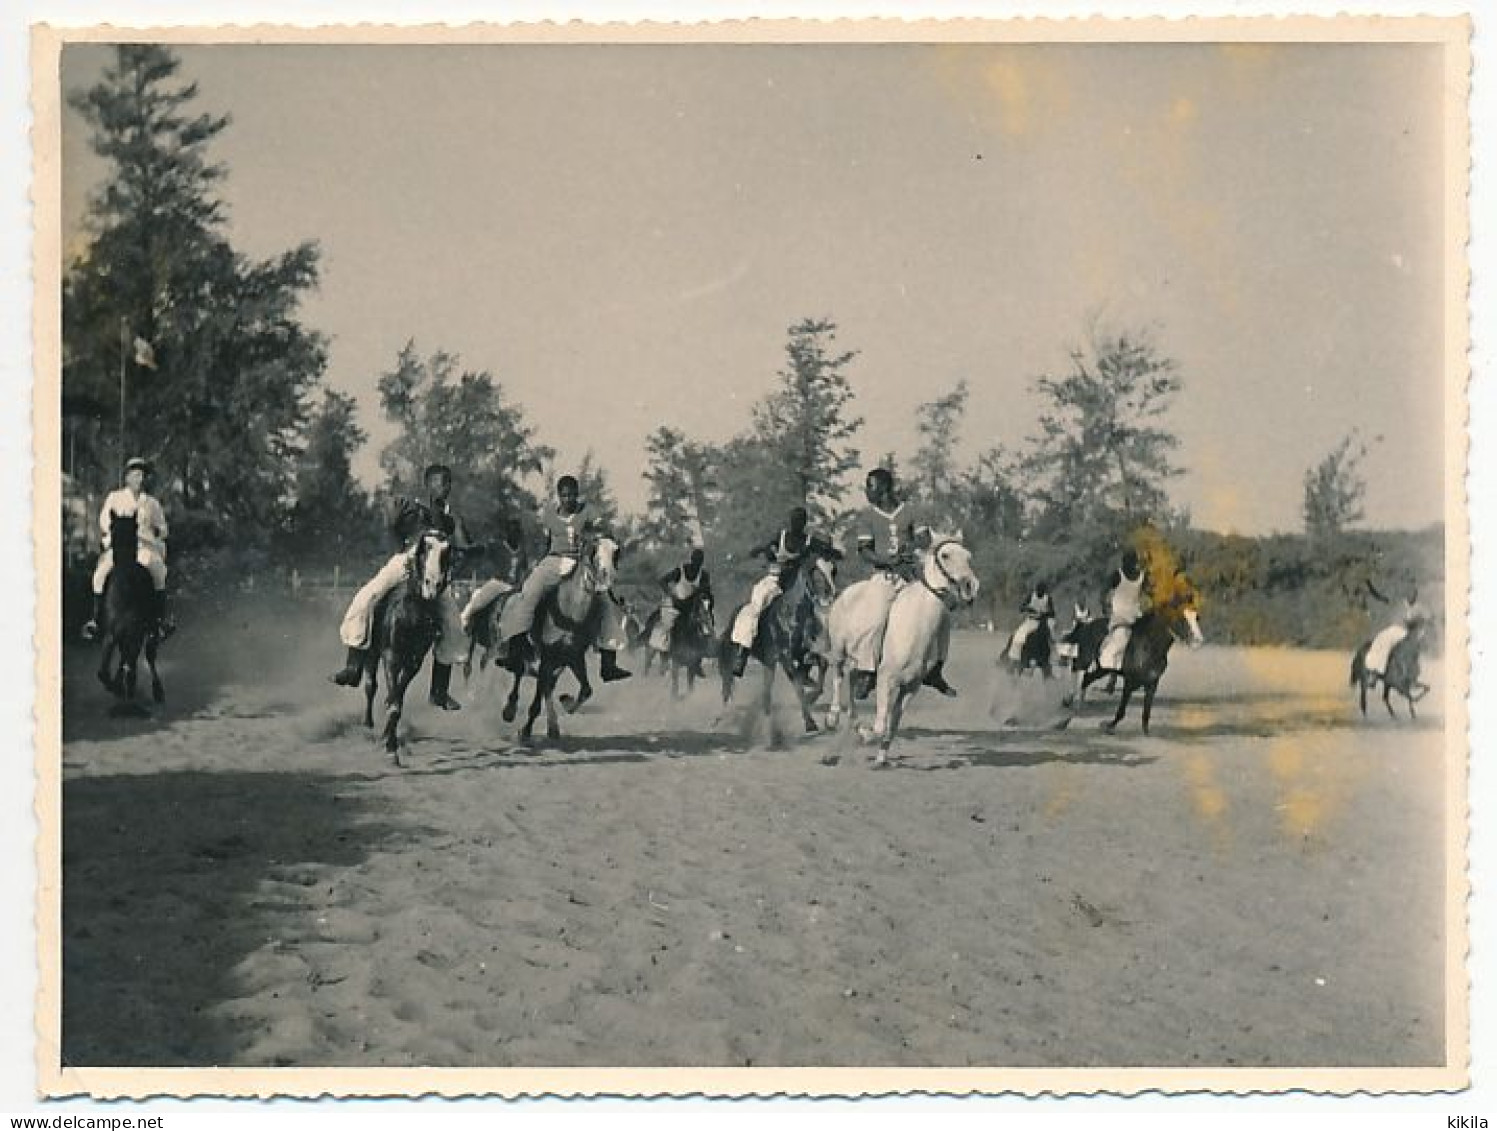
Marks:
<point>811,727</point>
<point>1109,726</point>
<point>158,694</point>
<point>508,713</point>
<point>553,733</point>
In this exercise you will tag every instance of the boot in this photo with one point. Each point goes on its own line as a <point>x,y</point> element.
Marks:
<point>934,678</point>
<point>610,670</point>
<point>91,629</point>
<point>514,651</point>
<point>862,684</point>
<point>165,626</point>
<point>441,680</point>
<point>353,669</point>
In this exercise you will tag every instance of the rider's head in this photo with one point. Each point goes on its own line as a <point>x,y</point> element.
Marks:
<point>513,531</point>
<point>566,492</point>
<point>696,558</point>
<point>878,485</point>
<point>135,474</point>
<point>1041,589</point>
<point>798,518</point>
<point>1130,561</point>
<point>438,480</point>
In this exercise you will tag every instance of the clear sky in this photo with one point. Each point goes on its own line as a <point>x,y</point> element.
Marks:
<point>621,235</point>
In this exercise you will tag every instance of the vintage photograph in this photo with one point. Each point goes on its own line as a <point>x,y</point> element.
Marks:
<point>941,554</point>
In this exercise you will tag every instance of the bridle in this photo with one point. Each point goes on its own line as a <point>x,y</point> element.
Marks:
<point>945,594</point>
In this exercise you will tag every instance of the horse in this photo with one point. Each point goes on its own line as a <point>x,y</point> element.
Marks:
<point>1147,654</point>
<point>1402,674</point>
<point>566,625</point>
<point>692,635</point>
<point>1083,640</point>
<point>129,614</point>
<point>788,631</point>
<point>918,628</point>
<point>1034,654</point>
<point>406,625</point>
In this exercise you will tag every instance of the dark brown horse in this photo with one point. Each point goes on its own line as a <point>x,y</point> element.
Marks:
<point>406,626</point>
<point>692,639</point>
<point>1034,654</point>
<point>1402,673</point>
<point>1147,653</point>
<point>129,615</point>
<point>566,625</point>
<point>787,640</point>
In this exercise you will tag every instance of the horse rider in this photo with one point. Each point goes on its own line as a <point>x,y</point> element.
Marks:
<point>407,519</point>
<point>684,587</point>
<point>1037,608</point>
<point>888,537</point>
<point>1125,588</point>
<point>150,533</point>
<point>514,564</point>
<point>567,524</point>
<point>786,552</point>
<point>1411,619</point>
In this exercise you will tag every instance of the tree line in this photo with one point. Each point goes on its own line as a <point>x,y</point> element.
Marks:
<point>181,347</point>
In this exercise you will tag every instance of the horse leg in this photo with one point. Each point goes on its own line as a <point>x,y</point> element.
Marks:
<point>1387,702</point>
<point>896,714</point>
<point>158,691</point>
<point>553,727</point>
<point>106,659</point>
<point>1148,704</point>
<point>578,667</point>
<point>512,704</point>
<point>541,679</point>
<point>394,707</point>
<point>801,693</point>
<point>1112,725</point>
<point>371,686</point>
<point>1362,694</point>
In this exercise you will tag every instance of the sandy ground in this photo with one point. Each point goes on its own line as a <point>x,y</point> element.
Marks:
<point>248,881</point>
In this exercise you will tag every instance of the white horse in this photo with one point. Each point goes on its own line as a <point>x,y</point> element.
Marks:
<point>914,636</point>
<point>855,637</point>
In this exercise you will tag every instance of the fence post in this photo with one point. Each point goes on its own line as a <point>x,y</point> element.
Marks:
<point>337,582</point>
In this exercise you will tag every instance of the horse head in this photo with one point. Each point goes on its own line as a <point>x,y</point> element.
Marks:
<point>947,568</point>
<point>124,535</point>
<point>1183,606</point>
<point>433,565</point>
<point>602,554</point>
<point>821,580</point>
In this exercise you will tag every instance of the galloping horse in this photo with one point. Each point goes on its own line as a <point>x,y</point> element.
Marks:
<point>406,625</point>
<point>789,626</point>
<point>129,614</point>
<point>1084,640</point>
<point>692,636</point>
<point>1147,654</point>
<point>1402,674</point>
<point>919,626</point>
<point>566,625</point>
<point>1034,654</point>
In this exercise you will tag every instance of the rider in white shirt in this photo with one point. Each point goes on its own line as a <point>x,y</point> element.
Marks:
<point>151,532</point>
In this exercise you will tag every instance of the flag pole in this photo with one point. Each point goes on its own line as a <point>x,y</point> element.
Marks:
<point>124,347</point>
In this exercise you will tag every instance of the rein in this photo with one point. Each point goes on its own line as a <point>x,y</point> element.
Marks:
<point>944,595</point>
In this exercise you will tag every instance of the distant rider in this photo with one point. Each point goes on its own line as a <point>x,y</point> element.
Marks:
<point>150,533</point>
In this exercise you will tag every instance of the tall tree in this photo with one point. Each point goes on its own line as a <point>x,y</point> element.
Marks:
<point>198,347</point>
<point>460,418</point>
<point>329,520</point>
<point>935,474</point>
<point>1101,460</point>
<point>593,485</point>
<point>1335,488</point>
<point>806,423</point>
<point>683,488</point>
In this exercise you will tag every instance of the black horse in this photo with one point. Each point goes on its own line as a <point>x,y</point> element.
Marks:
<point>1147,653</point>
<point>789,631</point>
<point>130,621</point>
<point>692,639</point>
<point>406,626</point>
<point>1402,674</point>
<point>1034,654</point>
<point>1084,642</point>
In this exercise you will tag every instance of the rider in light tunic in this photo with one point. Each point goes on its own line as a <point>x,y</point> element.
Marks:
<point>151,532</point>
<point>786,552</point>
<point>514,565</point>
<point>684,586</point>
<point>566,525</point>
<point>1037,608</point>
<point>407,519</point>
<point>1412,618</point>
<point>1126,586</point>
<point>889,538</point>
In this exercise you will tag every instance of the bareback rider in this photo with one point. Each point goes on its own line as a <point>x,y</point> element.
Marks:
<point>786,552</point>
<point>1037,608</point>
<point>684,586</point>
<point>1126,588</point>
<point>513,565</point>
<point>150,532</point>
<point>566,524</point>
<point>889,538</point>
<point>407,519</point>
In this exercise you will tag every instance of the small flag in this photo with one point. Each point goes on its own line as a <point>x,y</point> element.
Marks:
<point>145,356</point>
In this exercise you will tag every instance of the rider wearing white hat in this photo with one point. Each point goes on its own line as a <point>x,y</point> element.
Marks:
<point>151,531</point>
